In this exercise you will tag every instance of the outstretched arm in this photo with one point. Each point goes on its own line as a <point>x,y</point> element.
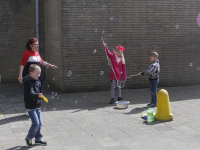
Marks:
<point>107,50</point>
<point>48,64</point>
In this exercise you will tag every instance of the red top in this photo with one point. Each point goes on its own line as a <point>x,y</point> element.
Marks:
<point>119,68</point>
<point>31,56</point>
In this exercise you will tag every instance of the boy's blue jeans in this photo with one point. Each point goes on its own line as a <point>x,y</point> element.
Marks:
<point>35,129</point>
<point>153,88</point>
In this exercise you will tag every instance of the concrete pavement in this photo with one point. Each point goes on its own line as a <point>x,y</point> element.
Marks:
<point>85,121</point>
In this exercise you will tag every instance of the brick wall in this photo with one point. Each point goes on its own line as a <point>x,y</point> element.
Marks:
<point>139,26</point>
<point>53,41</point>
<point>68,39</point>
<point>17,24</point>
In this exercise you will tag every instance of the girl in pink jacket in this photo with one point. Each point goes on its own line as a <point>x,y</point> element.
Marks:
<point>118,68</point>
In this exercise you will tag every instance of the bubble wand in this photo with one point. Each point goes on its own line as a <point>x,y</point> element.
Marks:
<point>45,99</point>
<point>134,75</point>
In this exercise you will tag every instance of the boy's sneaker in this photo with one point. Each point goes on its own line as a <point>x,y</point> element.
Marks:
<point>40,142</point>
<point>112,101</point>
<point>149,104</point>
<point>29,143</point>
<point>27,113</point>
<point>120,99</point>
<point>153,105</point>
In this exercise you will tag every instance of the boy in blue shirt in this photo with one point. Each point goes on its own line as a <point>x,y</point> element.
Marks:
<point>153,77</point>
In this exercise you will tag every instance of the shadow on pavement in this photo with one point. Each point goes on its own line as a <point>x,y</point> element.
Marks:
<point>137,110</point>
<point>13,119</point>
<point>19,148</point>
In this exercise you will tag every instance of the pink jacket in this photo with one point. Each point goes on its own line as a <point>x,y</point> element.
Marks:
<point>119,68</point>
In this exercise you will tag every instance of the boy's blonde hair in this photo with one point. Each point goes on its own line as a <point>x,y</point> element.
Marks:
<point>33,67</point>
<point>153,54</point>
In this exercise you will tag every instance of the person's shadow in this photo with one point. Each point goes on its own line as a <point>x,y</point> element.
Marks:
<point>19,148</point>
<point>137,110</point>
<point>13,119</point>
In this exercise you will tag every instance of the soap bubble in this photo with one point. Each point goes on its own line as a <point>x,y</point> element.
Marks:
<point>54,108</point>
<point>48,85</point>
<point>191,64</point>
<point>101,73</point>
<point>84,96</point>
<point>177,26</point>
<point>54,78</point>
<point>69,73</point>
<point>198,68</point>
<point>52,93</point>
<point>95,30</point>
<point>76,101</point>
<point>111,18</point>
<point>121,72</point>
<point>47,67</point>
<point>52,97</point>
<point>57,97</point>
<point>110,35</point>
<point>44,108</point>
<point>95,51</point>
<point>103,32</point>
<point>56,94</point>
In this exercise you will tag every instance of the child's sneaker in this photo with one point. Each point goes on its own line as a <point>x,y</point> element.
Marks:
<point>149,104</point>
<point>29,143</point>
<point>112,101</point>
<point>120,99</point>
<point>40,142</point>
<point>153,105</point>
<point>27,113</point>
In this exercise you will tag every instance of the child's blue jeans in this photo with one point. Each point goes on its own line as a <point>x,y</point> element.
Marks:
<point>35,129</point>
<point>153,88</point>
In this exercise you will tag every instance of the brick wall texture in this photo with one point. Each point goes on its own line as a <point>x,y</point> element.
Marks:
<point>72,29</point>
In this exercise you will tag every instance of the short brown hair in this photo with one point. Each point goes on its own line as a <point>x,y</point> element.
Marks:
<point>153,54</point>
<point>30,42</point>
<point>33,67</point>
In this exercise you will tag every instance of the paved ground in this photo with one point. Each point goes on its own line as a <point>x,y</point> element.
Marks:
<point>85,121</point>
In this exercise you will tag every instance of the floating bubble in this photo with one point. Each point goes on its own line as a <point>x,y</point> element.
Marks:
<point>54,78</point>
<point>101,73</point>
<point>103,32</point>
<point>54,108</point>
<point>76,101</point>
<point>95,30</point>
<point>95,51</point>
<point>110,35</point>
<point>47,67</point>
<point>57,97</point>
<point>69,73</point>
<point>48,85</point>
<point>44,108</point>
<point>52,93</point>
<point>191,64</point>
<point>84,96</point>
<point>121,72</point>
<point>111,18</point>
<point>177,26</point>
<point>56,94</point>
<point>52,97</point>
<point>198,68</point>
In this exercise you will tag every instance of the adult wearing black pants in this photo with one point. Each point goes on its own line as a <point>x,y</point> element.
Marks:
<point>31,56</point>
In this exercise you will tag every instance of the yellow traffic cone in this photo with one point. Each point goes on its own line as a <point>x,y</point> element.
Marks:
<point>163,107</point>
